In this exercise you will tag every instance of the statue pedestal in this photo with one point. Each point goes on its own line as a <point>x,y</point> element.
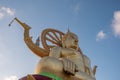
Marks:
<point>37,77</point>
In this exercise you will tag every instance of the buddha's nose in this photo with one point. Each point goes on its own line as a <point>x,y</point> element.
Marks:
<point>76,40</point>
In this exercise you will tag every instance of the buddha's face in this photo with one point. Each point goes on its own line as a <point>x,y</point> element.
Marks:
<point>71,41</point>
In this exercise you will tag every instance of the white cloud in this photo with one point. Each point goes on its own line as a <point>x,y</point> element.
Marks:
<point>76,8</point>
<point>1,15</point>
<point>116,23</point>
<point>8,10</point>
<point>101,35</point>
<point>11,78</point>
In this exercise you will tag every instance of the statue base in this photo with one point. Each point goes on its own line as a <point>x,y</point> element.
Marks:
<point>37,77</point>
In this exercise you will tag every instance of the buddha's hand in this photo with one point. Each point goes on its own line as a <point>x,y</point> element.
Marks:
<point>69,66</point>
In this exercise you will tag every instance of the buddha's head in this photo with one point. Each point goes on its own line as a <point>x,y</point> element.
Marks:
<point>70,40</point>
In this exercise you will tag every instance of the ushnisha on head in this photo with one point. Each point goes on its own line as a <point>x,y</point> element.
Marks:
<point>70,40</point>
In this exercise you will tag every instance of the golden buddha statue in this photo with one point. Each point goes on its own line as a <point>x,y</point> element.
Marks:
<point>63,59</point>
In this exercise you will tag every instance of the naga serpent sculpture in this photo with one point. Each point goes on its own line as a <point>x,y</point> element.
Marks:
<point>48,36</point>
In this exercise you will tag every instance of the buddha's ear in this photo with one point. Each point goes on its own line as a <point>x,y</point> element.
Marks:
<point>63,41</point>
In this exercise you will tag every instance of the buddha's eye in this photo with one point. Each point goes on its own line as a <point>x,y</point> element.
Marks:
<point>72,37</point>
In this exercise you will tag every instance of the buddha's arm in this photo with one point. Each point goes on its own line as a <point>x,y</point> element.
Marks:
<point>55,52</point>
<point>68,52</point>
<point>61,52</point>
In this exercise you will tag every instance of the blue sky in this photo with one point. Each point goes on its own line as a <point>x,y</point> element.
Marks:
<point>96,22</point>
